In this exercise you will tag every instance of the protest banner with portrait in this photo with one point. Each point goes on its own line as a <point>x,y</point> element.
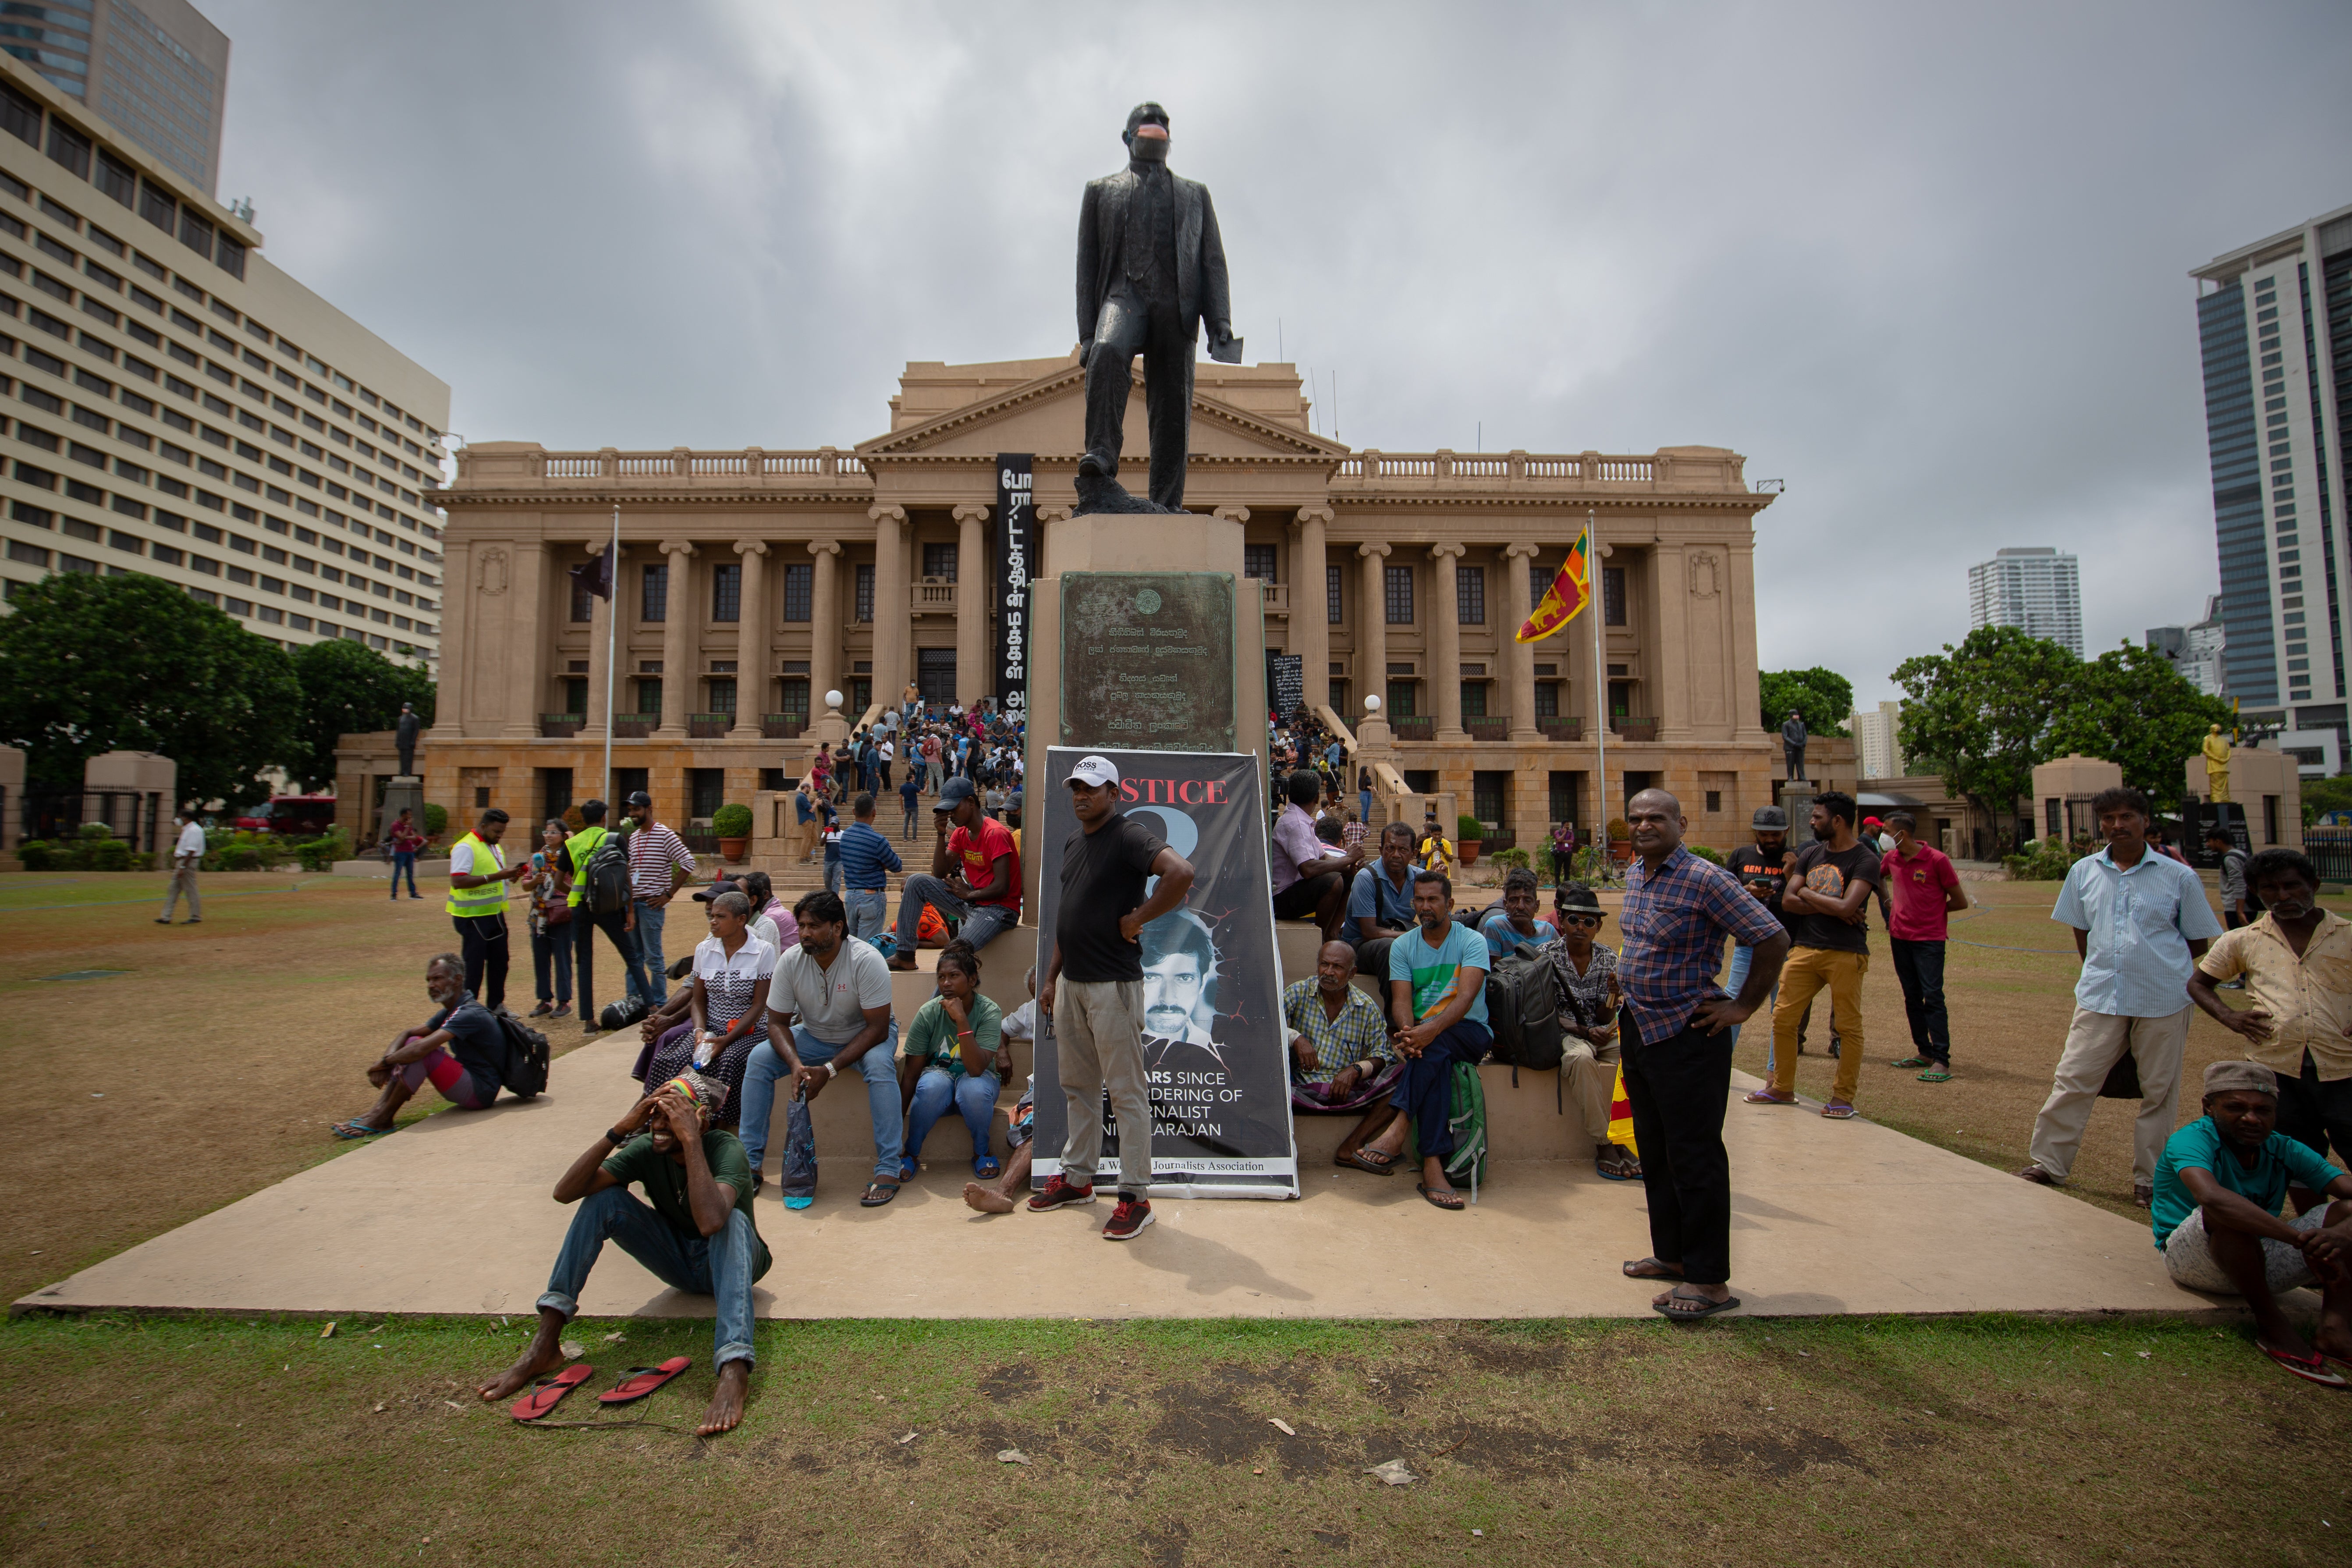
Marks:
<point>1213,1047</point>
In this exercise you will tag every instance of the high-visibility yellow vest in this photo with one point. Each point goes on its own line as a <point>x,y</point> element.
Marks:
<point>582,845</point>
<point>489,897</point>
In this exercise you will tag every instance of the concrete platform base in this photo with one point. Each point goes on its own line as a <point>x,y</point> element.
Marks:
<point>453,1215</point>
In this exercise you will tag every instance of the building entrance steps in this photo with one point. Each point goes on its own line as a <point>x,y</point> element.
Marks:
<point>453,1215</point>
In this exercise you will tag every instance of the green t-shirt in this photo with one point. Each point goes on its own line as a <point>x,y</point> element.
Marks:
<point>664,1180</point>
<point>931,1038</point>
<point>2198,1145</point>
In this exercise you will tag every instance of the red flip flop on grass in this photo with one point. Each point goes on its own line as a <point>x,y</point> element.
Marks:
<point>643,1380</point>
<point>549,1392</point>
<point>2310,1368</point>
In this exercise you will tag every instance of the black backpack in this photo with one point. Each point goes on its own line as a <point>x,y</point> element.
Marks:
<point>606,878</point>
<point>1523,1013</point>
<point>527,1055</point>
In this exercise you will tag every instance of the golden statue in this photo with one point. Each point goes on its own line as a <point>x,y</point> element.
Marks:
<point>2215,747</point>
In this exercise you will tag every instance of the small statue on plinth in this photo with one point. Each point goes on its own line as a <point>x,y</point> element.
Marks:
<point>1151,268</point>
<point>2216,748</point>
<point>404,737</point>
<point>1793,736</point>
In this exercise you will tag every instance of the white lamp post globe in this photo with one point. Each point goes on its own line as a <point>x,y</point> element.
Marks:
<point>833,698</point>
<point>1372,704</point>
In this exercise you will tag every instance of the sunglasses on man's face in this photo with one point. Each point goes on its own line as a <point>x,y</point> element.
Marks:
<point>1568,920</point>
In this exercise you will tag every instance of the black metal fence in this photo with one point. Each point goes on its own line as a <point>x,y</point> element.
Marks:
<point>135,817</point>
<point>2330,849</point>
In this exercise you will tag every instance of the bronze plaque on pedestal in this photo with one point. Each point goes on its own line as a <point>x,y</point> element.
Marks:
<point>1147,660</point>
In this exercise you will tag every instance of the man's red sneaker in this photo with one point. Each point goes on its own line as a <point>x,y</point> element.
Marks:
<point>1127,1219</point>
<point>1059,1194</point>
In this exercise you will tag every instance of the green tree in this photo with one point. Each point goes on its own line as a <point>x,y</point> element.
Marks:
<point>2321,796</point>
<point>1822,697</point>
<point>1982,710</point>
<point>348,688</point>
<point>2131,706</point>
<point>131,663</point>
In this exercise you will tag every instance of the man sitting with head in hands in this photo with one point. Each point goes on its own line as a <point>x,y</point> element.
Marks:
<point>694,1233</point>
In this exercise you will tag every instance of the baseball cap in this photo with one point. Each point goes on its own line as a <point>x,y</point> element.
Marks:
<point>952,793</point>
<point>639,798</point>
<point>1771,818</point>
<point>724,885</point>
<point>1094,771</point>
<point>1871,822</point>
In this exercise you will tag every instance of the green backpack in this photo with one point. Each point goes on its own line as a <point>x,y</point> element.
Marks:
<point>1466,1119</point>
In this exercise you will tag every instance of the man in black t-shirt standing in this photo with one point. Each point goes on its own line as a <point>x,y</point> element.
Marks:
<point>1828,890</point>
<point>1762,869</point>
<point>1093,991</point>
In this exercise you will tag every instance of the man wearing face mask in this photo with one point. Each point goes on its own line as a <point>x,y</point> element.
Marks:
<point>1150,268</point>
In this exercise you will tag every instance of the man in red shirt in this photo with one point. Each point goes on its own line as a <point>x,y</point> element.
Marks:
<point>1924,890</point>
<point>975,875</point>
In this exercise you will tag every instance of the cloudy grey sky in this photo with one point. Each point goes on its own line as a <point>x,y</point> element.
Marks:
<point>1926,264</point>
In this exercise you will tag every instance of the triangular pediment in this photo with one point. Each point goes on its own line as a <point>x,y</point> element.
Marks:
<point>1048,415</point>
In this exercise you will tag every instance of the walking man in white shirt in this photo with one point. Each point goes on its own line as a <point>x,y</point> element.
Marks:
<point>2140,923</point>
<point>187,852</point>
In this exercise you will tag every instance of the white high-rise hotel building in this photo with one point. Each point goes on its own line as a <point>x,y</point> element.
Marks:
<point>2037,590</point>
<point>2274,322</point>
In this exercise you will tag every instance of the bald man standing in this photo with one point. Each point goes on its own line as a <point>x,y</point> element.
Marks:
<point>1676,1029</point>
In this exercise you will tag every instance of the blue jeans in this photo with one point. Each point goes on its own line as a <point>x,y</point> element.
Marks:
<point>649,950</point>
<point>551,950</point>
<point>974,1099</point>
<point>878,1067</point>
<point>403,860</point>
<point>980,921</point>
<point>719,1266</point>
<point>833,874</point>
<point>1364,800</point>
<point>1736,976</point>
<point>869,911</point>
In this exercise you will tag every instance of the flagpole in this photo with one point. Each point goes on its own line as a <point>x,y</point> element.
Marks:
<point>612,642</point>
<point>1596,603</point>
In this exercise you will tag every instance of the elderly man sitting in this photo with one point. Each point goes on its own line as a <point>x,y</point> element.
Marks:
<point>1340,1058</point>
<point>694,1233</point>
<point>2218,1214</point>
<point>461,1050</point>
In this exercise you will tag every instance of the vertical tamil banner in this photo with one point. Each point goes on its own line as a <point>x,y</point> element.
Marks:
<point>1016,523</point>
<point>1213,1046</point>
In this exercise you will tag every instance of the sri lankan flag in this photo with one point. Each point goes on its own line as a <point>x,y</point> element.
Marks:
<point>1570,592</point>
<point>1621,1117</point>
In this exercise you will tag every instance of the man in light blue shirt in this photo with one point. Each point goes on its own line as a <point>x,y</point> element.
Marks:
<point>2141,921</point>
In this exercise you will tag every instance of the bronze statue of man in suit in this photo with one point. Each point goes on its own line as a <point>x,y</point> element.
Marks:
<point>1151,268</point>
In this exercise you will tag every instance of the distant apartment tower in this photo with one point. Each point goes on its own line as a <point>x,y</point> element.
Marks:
<point>172,404</point>
<point>2037,590</point>
<point>157,71</point>
<point>2196,651</point>
<point>2274,323</point>
<point>1875,741</point>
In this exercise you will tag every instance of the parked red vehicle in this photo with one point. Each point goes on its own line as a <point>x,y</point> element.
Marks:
<point>292,815</point>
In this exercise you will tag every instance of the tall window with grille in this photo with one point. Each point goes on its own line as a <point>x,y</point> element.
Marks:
<point>727,593</point>
<point>653,594</point>
<point>1538,584</point>
<point>1490,796</point>
<point>1397,583</point>
<point>1470,595</point>
<point>583,603</point>
<point>1332,604</point>
<point>1612,595</point>
<point>800,587</point>
<point>1257,560</point>
<point>939,563</point>
<point>649,688</point>
<point>865,610</point>
<point>722,695</point>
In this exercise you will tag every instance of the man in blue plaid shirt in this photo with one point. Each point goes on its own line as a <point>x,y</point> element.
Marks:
<point>1677,1036</point>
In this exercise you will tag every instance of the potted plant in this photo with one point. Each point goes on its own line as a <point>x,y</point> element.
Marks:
<point>1620,841</point>
<point>1469,835</point>
<point>733,825</point>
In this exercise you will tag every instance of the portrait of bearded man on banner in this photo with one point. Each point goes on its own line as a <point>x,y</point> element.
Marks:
<point>1179,985</point>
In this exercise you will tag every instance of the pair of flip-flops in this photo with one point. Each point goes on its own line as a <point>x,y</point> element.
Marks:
<point>2312,1368</point>
<point>550,1391</point>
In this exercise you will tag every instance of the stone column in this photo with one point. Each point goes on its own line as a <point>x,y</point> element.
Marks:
<point>1517,601</point>
<point>975,664</point>
<point>678,643</point>
<point>751,675</point>
<point>1667,667</point>
<point>1310,631</point>
<point>599,640</point>
<point>526,639</point>
<point>1372,625</point>
<point>451,701</point>
<point>824,626</point>
<point>892,605</point>
<point>1446,642</point>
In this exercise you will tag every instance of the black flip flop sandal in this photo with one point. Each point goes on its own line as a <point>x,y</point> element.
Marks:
<point>884,1190</point>
<point>1437,1198</point>
<point>1705,1308</point>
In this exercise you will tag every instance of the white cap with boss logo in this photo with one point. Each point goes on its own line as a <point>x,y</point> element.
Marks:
<point>1094,771</point>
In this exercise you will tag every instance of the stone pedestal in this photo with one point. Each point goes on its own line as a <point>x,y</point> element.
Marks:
<point>402,790</point>
<point>1183,543</point>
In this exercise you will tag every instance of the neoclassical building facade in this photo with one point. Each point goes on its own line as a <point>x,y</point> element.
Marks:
<point>751,583</point>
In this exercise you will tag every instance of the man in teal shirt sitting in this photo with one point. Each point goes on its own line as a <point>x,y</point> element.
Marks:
<point>1437,1000</point>
<point>2220,1195</point>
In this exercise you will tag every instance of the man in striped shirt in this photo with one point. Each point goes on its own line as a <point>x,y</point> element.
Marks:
<point>866,862</point>
<point>659,862</point>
